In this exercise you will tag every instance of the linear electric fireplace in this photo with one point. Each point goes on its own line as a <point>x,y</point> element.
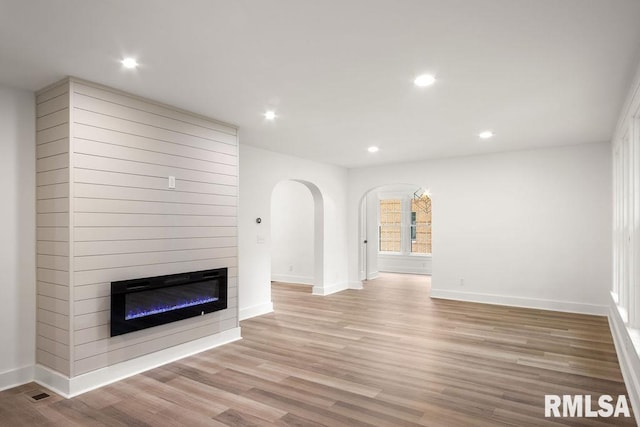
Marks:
<point>142,303</point>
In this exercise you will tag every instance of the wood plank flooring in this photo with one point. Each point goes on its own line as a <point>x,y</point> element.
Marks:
<point>385,356</point>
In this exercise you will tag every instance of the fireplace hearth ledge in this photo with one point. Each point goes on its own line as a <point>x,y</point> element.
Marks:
<point>71,387</point>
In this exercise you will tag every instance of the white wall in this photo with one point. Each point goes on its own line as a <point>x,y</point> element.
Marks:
<point>292,219</point>
<point>260,171</point>
<point>529,228</point>
<point>17,234</point>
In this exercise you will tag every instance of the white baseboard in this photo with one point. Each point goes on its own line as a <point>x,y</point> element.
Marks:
<point>356,285</point>
<point>256,310</point>
<point>52,380</point>
<point>292,278</point>
<point>628,357</point>
<point>542,304</point>
<point>70,387</point>
<point>373,275</point>
<point>16,377</point>
<point>406,270</point>
<point>330,289</point>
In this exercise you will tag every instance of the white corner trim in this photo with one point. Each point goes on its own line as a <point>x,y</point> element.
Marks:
<point>16,377</point>
<point>356,285</point>
<point>256,310</point>
<point>373,275</point>
<point>330,289</point>
<point>628,357</point>
<point>70,387</point>
<point>542,304</point>
<point>292,278</point>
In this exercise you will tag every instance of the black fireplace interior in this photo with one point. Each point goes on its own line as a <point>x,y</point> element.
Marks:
<point>142,303</point>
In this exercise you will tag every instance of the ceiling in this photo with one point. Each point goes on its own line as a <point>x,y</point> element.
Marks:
<point>339,73</point>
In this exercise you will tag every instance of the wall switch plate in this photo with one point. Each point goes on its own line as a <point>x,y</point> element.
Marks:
<point>172,182</point>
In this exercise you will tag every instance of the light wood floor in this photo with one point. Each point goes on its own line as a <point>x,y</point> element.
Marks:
<point>386,355</point>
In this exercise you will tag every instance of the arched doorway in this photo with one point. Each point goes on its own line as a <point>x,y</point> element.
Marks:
<point>395,231</point>
<point>297,212</point>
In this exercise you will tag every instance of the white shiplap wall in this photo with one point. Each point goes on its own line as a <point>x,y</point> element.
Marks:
<point>126,223</point>
<point>52,220</point>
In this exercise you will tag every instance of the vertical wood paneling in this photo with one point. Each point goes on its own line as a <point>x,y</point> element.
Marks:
<point>52,220</point>
<point>127,223</point>
<point>105,213</point>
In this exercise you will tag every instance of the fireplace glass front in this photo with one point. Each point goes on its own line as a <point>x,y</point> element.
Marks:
<point>142,303</point>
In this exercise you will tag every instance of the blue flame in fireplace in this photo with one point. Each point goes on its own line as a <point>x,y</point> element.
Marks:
<point>135,314</point>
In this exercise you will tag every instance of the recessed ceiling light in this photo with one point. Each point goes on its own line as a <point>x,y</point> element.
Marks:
<point>270,115</point>
<point>129,63</point>
<point>373,149</point>
<point>486,134</point>
<point>424,80</point>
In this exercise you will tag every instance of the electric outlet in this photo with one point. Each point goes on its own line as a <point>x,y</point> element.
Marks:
<point>291,268</point>
<point>461,282</point>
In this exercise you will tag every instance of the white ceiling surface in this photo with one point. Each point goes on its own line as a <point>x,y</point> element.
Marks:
<point>339,72</point>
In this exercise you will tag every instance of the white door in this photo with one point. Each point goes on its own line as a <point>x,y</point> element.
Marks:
<point>362,236</point>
